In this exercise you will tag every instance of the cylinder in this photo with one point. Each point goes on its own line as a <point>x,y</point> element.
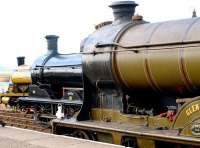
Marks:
<point>168,68</point>
<point>21,77</point>
<point>62,70</point>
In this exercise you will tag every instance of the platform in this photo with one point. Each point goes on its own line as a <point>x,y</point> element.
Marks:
<point>11,137</point>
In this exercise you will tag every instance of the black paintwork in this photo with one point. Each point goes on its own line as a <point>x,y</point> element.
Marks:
<point>59,69</point>
<point>53,71</point>
<point>123,10</point>
<point>97,68</point>
<point>20,61</point>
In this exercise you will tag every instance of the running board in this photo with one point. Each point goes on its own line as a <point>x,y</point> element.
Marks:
<point>125,129</point>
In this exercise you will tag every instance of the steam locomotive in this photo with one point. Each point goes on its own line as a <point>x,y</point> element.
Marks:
<point>134,83</point>
<point>15,83</point>
<point>140,82</point>
<point>56,81</point>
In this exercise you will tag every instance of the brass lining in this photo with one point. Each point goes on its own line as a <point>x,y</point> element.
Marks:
<point>180,115</point>
<point>114,65</point>
<point>149,75</point>
<point>184,75</point>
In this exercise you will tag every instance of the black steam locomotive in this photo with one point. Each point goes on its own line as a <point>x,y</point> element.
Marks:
<point>56,81</point>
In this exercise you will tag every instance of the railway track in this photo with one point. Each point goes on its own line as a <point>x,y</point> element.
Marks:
<point>23,120</point>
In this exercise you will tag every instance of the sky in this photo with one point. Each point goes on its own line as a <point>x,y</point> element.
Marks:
<point>24,23</point>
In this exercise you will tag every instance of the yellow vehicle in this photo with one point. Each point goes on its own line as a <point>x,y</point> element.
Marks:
<point>14,84</point>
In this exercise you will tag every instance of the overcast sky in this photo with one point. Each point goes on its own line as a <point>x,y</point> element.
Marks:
<point>24,23</point>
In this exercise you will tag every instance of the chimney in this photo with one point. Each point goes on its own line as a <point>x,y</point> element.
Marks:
<point>123,10</point>
<point>52,43</point>
<point>20,61</point>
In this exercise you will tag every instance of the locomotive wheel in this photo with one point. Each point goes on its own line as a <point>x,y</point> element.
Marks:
<point>129,142</point>
<point>83,134</point>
